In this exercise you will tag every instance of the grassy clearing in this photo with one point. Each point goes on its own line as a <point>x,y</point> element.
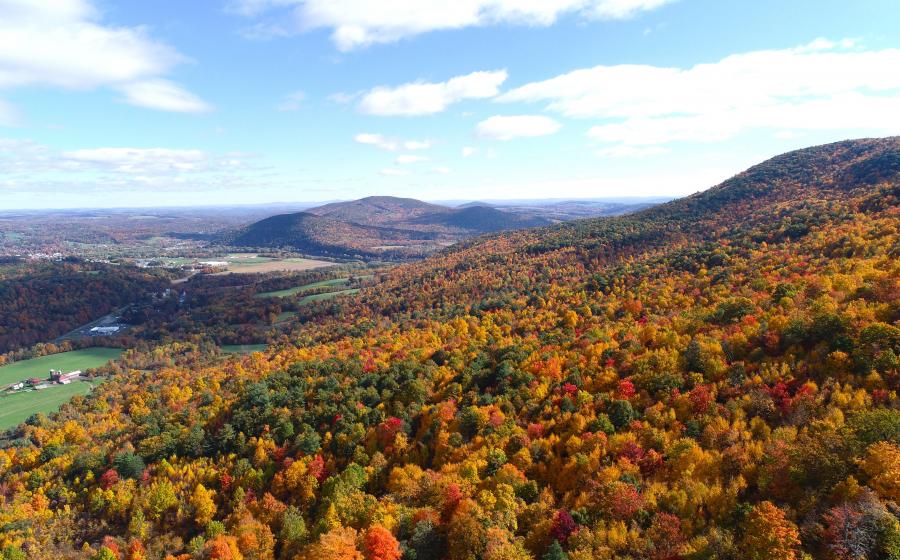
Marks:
<point>65,361</point>
<point>243,348</point>
<point>274,265</point>
<point>15,409</point>
<point>298,289</point>
<point>322,297</point>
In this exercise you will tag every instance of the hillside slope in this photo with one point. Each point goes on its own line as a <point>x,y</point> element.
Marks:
<point>321,235</point>
<point>481,219</point>
<point>382,226</point>
<point>716,377</point>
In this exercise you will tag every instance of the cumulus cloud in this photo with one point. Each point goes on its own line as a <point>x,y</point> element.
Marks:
<point>821,86</point>
<point>29,163</point>
<point>468,151</point>
<point>64,44</point>
<point>392,144</point>
<point>359,23</point>
<point>291,101</point>
<point>508,127</point>
<point>422,98</point>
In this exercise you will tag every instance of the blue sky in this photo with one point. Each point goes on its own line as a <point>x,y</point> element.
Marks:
<point>133,103</point>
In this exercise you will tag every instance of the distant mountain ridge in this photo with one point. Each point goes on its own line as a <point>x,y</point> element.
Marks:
<point>384,226</point>
<point>378,210</point>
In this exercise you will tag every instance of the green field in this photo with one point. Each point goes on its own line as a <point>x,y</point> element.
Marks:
<point>292,291</point>
<point>322,297</point>
<point>66,361</point>
<point>15,409</point>
<point>243,348</point>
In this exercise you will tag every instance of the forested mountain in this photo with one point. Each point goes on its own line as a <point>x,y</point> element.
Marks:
<point>379,210</point>
<point>321,235</point>
<point>383,226</point>
<point>713,378</point>
<point>481,219</point>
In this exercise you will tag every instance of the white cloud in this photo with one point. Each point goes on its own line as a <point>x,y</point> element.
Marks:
<point>360,23</point>
<point>406,159</point>
<point>502,127</point>
<point>441,170</point>
<point>63,44</point>
<point>291,101</point>
<point>421,98</point>
<point>414,145</point>
<point>42,168</point>
<point>624,9</point>
<point>391,144</point>
<point>820,86</point>
<point>140,160</point>
<point>163,95</point>
<point>468,151</point>
<point>391,172</point>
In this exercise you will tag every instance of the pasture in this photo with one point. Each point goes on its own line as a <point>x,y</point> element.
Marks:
<point>306,287</point>
<point>18,407</point>
<point>326,296</point>
<point>246,265</point>
<point>66,361</point>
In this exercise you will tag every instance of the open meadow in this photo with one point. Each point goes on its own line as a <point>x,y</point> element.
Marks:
<point>246,264</point>
<point>67,361</point>
<point>18,407</point>
<point>15,408</point>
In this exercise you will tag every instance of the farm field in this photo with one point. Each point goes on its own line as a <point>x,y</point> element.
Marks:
<point>15,409</point>
<point>66,361</point>
<point>245,265</point>
<point>242,348</point>
<point>298,289</point>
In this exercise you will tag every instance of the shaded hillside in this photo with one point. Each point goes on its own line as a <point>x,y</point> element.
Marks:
<point>381,226</point>
<point>481,219</point>
<point>320,235</point>
<point>714,378</point>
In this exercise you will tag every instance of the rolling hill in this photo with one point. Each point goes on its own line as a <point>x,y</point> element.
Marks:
<point>381,226</point>
<point>379,210</point>
<point>322,235</point>
<point>713,378</point>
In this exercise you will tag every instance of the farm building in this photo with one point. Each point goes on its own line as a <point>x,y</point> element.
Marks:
<point>64,378</point>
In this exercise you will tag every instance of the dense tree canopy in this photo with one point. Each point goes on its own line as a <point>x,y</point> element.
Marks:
<point>715,378</point>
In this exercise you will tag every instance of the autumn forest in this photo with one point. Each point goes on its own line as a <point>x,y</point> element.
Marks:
<point>714,378</point>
